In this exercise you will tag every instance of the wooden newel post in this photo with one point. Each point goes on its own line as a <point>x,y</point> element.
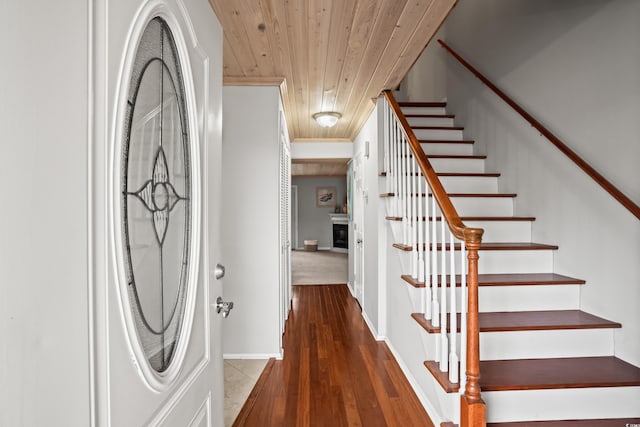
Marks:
<point>472,408</point>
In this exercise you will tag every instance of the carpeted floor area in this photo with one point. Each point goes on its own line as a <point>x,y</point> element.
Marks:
<point>319,268</point>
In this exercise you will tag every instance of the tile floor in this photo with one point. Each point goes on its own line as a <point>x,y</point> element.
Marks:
<point>240,375</point>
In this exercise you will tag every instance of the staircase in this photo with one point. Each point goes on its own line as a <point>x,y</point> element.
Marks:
<point>543,360</point>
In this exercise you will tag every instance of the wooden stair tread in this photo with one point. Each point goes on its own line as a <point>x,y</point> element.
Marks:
<point>438,127</point>
<point>508,195</point>
<point>446,141</point>
<point>488,246</point>
<point>422,104</point>
<point>431,116</point>
<point>528,321</point>
<point>527,279</point>
<point>441,377</point>
<point>447,156</point>
<point>461,174</point>
<point>481,195</point>
<point>570,372</point>
<point>494,218</point>
<point>520,279</point>
<point>474,218</point>
<point>470,174</point>
<point>617,422</point>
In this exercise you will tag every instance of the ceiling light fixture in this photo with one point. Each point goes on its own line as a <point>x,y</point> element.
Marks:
<point>327,119</point>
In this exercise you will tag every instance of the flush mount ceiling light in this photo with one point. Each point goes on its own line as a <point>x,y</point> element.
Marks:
<point>327,119</point>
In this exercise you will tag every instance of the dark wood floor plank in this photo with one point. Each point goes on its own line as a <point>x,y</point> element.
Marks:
<point>333,373</point>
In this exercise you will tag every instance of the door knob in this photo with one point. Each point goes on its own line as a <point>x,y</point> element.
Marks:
<point>224,307</point>
<point>219,271</point>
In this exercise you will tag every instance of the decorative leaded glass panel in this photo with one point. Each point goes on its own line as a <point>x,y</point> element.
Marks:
<point>156,195</point>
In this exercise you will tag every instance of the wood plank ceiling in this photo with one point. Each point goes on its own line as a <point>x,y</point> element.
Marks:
<point>319,167</point>
<point>327,55</point>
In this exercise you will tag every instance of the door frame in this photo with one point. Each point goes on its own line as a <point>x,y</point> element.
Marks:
<point>294,217</point>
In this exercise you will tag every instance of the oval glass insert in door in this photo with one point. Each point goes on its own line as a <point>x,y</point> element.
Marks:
<point>156,195</point>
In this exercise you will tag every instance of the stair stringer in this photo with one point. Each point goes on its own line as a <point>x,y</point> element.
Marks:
<point>406,339</point>
<point>561,403</point>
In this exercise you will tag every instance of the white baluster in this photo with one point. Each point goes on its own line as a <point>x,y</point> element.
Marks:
<point>444,344</point>
<point>463,317</point>
<point>399,172</point>
<point>396,157</point>
<point>387,148</point>
<point>428,284</point>
<point>405,189</point>
<point>453,331</point>
<point>435,310</point>
<point>413,221</point>
<point>392,179</point>
<point>420,224</point>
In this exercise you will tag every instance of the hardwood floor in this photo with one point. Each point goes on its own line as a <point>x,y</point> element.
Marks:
<point>333,372</point>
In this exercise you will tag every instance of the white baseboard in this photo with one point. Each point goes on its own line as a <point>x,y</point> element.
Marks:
<point>251,355</point>
<point>433,414</point>
<point>371,328</point>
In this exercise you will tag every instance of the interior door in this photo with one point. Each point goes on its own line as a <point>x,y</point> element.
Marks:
<point>285,226</point>
<point>156,190</point>
<point>358,228</point>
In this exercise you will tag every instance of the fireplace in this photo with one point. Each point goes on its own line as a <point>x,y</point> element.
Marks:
<point>340,236</point>
<point>340,233</point>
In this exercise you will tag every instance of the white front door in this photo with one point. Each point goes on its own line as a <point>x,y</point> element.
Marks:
<point>157,357</point>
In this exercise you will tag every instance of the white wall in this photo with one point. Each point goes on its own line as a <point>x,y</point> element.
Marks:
<point>250,218</point>
<point>321,150</point>
<point>575,66</point>
<point>425,80</point>
<point>314,223</point>
<point>370,170</point>
<point>44,356</point>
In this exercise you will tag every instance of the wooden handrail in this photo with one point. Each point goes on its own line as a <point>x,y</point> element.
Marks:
<point>472,408</point>
<point>588,169</point>
<point>456,225</point>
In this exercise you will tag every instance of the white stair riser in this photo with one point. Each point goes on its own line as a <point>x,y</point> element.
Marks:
<point>458,165</point>
<point>466,206</point>
<point>447,149</point>
<point>483,206</point>
<point>503,231</point>
<point>537,344</point>
<point>423,110</point>
<point>562,404</point>
<point>529,298</point>
<point>546,344</point>
<point>495,262</point>
<point>566,298</point>
<point>430,121</point>
<point>470,184</point>
<point>494,231</point>
<point>507,261</point>
<point>437,134</point>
